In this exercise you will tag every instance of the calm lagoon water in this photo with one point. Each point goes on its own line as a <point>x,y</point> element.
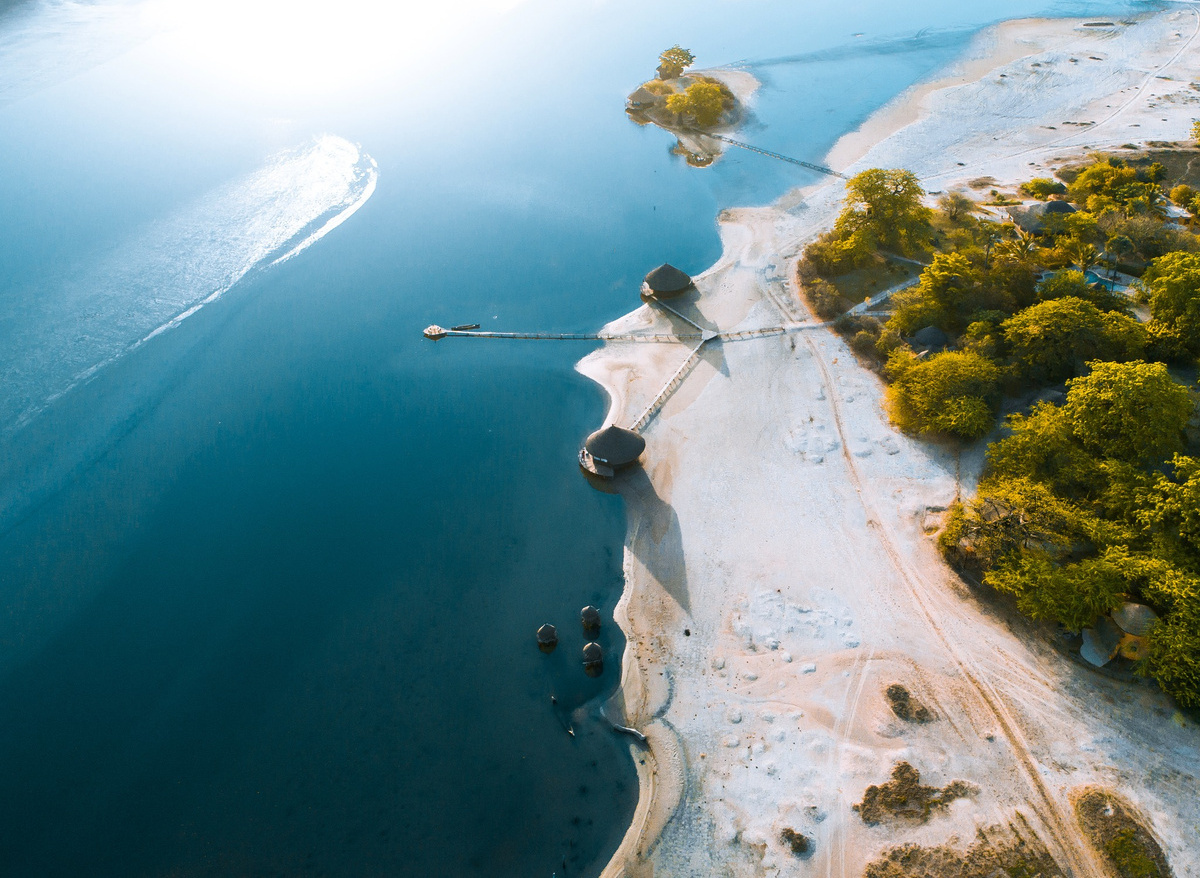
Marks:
<point>269,575</point>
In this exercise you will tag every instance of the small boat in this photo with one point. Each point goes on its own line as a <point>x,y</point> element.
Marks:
<point>464,327</point>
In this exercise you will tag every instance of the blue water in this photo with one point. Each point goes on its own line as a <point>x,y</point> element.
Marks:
<point>269,578</point>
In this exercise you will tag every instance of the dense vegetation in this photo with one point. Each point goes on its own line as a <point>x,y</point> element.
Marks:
<point>686,102</point>
<point>1092,495</point>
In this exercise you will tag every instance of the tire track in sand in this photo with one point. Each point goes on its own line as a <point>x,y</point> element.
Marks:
<point>1074,850</point>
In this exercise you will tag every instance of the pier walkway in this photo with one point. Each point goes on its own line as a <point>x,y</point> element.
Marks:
<point>820,169</point>
<point>698,339</point>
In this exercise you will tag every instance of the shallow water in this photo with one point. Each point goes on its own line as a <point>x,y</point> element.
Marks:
<point>270,577</point>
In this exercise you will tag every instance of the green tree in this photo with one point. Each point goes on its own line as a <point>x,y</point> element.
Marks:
<point>888,204</point>
<point>1052,340</point>
<point>1042,188</point>
<point>1020,248</point>
<point>1173,507</point>
<point>1041,448</point>
<point>1132,412</point>
<point>674,61</point>
<point>702,103</point>
<point>1183,195</point>
<point>956,206</point>
<point>943,297</point>
<point>953,393</point>
<point>1171,286</point>
<point>1012,516</point>
<point>1080,253</point>
<point>1106,178</point>
<point>1074,595</point>
<point>1173,655</point>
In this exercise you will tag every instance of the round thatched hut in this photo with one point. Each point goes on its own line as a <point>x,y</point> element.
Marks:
<point>610,449</point>
<point>665,281</point>
<point>590,617</point>
<point>547,638</point>
<point>593,660</point>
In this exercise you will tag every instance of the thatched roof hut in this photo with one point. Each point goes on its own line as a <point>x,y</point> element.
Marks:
<point>666,280</point>
<point>1101,642</point>
<point>1032,219</point>
<point>593,659</point>
<point>590,617</point>
<point>615,446</point>
<point>641,98</point>
<point>547,638</point>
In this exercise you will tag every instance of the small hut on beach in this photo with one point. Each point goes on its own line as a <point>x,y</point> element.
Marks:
<point>641,99</point>
<point>665,281</point>
<point>611,449</point>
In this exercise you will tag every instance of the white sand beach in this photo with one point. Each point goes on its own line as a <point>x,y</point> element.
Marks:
<point>780,568</point>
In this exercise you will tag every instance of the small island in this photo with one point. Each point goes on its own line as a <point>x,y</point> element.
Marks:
<point>692,106</point>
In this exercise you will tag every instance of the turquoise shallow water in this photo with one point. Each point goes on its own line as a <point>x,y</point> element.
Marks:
<point>270,578</point>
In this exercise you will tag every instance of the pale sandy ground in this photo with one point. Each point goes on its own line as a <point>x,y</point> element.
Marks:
<point>782,521</point>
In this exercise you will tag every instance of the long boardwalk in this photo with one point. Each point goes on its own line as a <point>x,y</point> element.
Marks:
<point>700,338</point>
<point>820,169</point>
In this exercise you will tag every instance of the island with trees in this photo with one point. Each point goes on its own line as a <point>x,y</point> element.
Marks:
<point>1061,321</point>
<point>692,106</point>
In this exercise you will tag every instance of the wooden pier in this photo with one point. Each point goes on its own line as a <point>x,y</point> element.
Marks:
<point>820,169</point>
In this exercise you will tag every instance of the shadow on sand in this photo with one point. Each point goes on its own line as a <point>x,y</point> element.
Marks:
<point>655,538</point>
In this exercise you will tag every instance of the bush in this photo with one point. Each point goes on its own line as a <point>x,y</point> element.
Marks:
<point>1173,655</point>
<point>1074,595</point>
<point>1042,188</point>
<point>1183,195</point>
<point>1131,412</point>
<point>825,300</point>
<point>1172,288</point>
<point>953,393</point>
<point>1051,341</point>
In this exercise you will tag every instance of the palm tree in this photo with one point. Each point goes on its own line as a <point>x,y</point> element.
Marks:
<point>1021,248</point>
<point>1081,253</point>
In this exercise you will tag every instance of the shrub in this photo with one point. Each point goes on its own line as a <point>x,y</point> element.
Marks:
<point>953,393</point>
<point>1172,288</point>
<point>824,299</point>
<point>1132,412</point>
<point>1051,341</point>
<point>1074,595</point>
<point>1183,195</point>
<point>1042,188</point>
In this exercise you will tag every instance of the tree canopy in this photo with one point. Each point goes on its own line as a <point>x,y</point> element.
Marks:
<point>1051,341</point>
<point>1129,411</point>
<point>674,61</point>
<point>1171,286</point>
<point>886,203</point>
<point>702,102</point>
<point>953,393</point>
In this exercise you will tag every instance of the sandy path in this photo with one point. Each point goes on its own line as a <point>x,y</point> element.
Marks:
<point>779,575</point>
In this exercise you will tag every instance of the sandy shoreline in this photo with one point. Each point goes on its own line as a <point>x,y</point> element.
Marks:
<point>779,574</point>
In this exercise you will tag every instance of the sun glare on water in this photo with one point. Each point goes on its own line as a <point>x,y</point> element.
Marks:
<point>312,48</point>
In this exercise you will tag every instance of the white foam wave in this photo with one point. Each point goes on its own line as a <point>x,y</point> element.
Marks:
<point>51,340</point>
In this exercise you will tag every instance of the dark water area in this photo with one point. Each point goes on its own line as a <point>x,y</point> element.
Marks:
<point>269,581</point>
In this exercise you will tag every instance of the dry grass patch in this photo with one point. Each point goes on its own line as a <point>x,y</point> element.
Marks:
<point>1115,831</point>
<point>996,853</point>
<point>904,796</point>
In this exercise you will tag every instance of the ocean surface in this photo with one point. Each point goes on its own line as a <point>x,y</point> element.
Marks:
<point>271,563</point>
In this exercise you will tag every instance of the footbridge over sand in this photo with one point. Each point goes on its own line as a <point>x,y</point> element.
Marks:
<point>696,338</point>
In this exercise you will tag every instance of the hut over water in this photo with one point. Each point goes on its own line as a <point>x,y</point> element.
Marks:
<point>611,449</point>
<point>666,281</point>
